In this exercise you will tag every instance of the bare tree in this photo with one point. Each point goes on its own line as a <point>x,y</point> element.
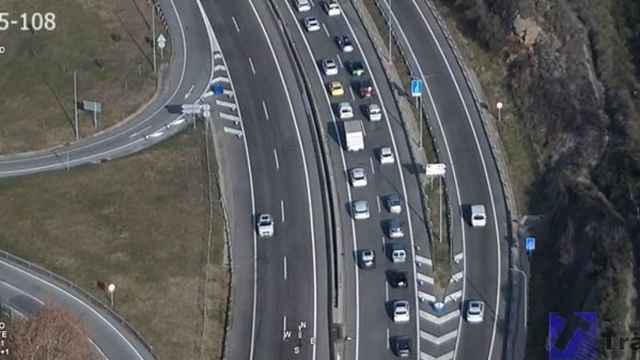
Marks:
<point>53,333</point>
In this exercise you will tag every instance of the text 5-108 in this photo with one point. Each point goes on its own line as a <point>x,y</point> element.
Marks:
<point>28,22</point>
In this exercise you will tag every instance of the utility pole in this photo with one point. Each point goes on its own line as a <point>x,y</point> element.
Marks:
<point>390,26</point>
<point>75,102</point>
<point>440,208</point>
<point>153,37</point>
<point>420,120</point>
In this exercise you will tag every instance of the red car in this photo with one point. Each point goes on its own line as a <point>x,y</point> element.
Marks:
<point>366,89</point>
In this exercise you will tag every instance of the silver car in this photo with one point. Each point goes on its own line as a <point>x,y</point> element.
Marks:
<point>358,177</point>
<point>360,209</point>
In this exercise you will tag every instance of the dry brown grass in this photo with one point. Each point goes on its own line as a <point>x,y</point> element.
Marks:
<point>106,42</point>
<point>141,222</point>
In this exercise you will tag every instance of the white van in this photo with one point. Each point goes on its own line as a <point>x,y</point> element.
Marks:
<point>303,5</point>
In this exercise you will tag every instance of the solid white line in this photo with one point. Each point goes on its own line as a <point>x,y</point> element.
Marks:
<point>353,96</point>
<point>386,291</point>
<point>349,197</point>
<point>264,108</point>
<point>101,353</point>
<point>275,156</point>
<point>284,266</point>
<point>484,168</point>
<point>18,290</point>
<point>235,23</point>
<point>378,201</point>
<point>398,168</point>
<point>373,168</point>
<point>212,40</point>
<point>325,30</point>
<point>282,209</point>
<point>189,92</point>
<point>284,324</point>
<point>340,61</point>
<point>253,69</point>
<point>306,177</point>
<point>383,242</point>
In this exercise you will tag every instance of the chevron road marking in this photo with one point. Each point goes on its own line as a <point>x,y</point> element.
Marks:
<point>438,339</point>
<point>447,356</point>
<point>226,104</point>
<point>426,297</point>
<point>423,260</point>
<point>439,320</point>
<point>219,67</point>
<point>233,131</point>
<point>217,55</point>
<point>453,296</point>
<point>220,79</point>
<point>424,278</point>
<point>229,117</point>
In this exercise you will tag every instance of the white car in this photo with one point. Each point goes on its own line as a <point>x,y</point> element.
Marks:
<point>401,311</point>
<point>478,216</point>
<point>394,229</point>
<point>303,5</point>
<point>475,311</point>
<point>385,155</point>
<point>358,177</point>
<point>393,203</point>
<point>367,259</point>
<point>332,7</point>
<point>311,24</point>
<point>374,112</point>
<point>154,135</point>
<point>329,67</point>
<point>360,209</point>
<point>265,225</point>
<point>345,111</point>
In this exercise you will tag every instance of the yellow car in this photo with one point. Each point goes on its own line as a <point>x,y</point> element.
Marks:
<point>336,89</point>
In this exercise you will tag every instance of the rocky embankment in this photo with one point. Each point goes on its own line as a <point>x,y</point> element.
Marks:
<point>572,70</point>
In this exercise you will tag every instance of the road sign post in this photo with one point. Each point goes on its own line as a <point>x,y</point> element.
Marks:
<point>218,89</point>
<point>530,244</point>
<point>162,43</point>
<point>416,92</point>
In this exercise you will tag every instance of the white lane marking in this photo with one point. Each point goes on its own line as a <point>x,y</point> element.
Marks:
<point>141,131</point>
<point>378,201</point>
<point>18,290</point>
<point>91,309</point>
<point>306,176</point>
<point>212,40</point>
<point>264,108</point>
<point>386,291</point>
<point>284,267</point>
<point>398,168</point>
<point>275,156</point>
<point>387,338</point>
<point>373,168</point>
<point>235,23</point>
<point>102,354</point>
<point>282,209</point>
<point>349,197</point>
<point>253,68</point>
<point>353,96</point>
<point>383,242</point>
<point>189,92</point>
<point>325,30</point>
<point>340,60</point>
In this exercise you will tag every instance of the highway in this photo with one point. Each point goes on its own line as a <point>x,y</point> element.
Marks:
<point>460,133</point>
<point>284,313</point>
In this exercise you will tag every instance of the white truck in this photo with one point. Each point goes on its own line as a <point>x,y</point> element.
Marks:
<point>354,135</point>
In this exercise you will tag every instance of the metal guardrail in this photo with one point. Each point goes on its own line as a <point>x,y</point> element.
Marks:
<point>18,261</point>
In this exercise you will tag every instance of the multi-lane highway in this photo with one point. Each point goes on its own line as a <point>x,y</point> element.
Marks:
<point>264,130</point>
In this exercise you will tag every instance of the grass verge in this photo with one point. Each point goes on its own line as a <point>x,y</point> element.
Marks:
<point>142,223</point>
<point>441,253</point>
<point>108,44</point>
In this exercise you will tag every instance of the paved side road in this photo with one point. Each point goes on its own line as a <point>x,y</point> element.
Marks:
<point>25,291</point>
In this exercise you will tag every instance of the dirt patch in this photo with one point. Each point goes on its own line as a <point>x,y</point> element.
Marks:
<point>107,43</point>
<point>140,222</point>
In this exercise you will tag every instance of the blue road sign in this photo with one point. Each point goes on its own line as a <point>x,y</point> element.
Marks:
<point>218,89</point>
<point>530,243</point>
<point>416,87</point>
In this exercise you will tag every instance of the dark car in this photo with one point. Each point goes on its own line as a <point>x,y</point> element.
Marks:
<point>366,89</point>
<point>367,259</point>
<point>344,43</point>
<point>398,279</point>
<point>401,346</point>
<point>356,68</point>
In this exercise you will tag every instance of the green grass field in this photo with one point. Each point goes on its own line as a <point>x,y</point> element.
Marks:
<point>105,42</point>
<point>140,222</point>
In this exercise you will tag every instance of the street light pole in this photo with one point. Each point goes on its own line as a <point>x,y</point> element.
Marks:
<point>526,281</point>
<point>499,105</point>
<point>111,289</point>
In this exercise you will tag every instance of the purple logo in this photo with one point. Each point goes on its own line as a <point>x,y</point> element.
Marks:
<point>573,336</point>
